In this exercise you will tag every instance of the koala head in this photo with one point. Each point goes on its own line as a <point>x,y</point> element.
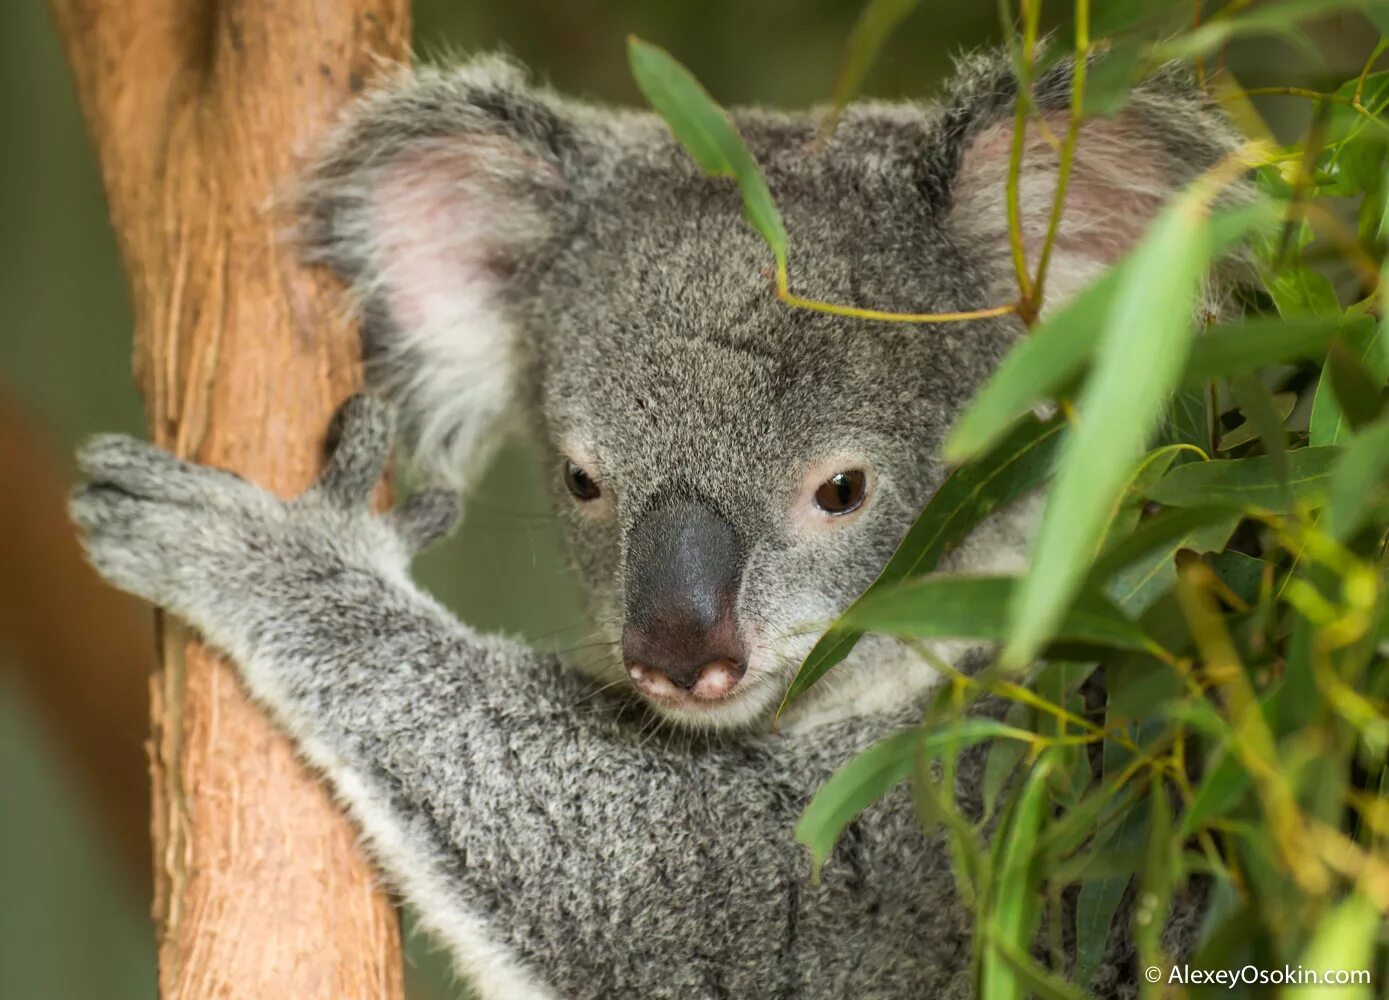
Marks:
<point>731,471</point>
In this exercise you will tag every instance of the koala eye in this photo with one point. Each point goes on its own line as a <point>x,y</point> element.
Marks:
<point>842,492</point>
<point>580,483</point>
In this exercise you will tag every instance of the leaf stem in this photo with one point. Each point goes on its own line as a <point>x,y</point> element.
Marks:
<point>1068,149</point>
<point>1312,95</point>
<point>783,292</point>
<point>1365,72</point>
<point>1031,13</point>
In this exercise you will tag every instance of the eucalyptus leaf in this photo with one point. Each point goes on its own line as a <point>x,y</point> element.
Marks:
<point>1018,464</point>
<point>1225,785</point>
<point>1241,573</point>
<point>1012,914</point>
<point>1246,347</point>
<point>1031,978</point>
<point>1344,940</point>
<point>1099,897</point>
<point>976,607</point>
<point>1138,362</point>
<point>1249,483</point>
<point>708,135</point>
<point>872,29</point>
<point>1280,19</point>
<point>1035,370</point>
<point>1358,481</point>
<point>853,788</point>
<point>1266,415</point>
<point>1368,344</point>
<point>1359,395</point>
<point>870,775</point>
<point>1111,77</point>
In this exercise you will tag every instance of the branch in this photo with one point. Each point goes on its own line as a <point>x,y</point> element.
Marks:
<point>201,113</point>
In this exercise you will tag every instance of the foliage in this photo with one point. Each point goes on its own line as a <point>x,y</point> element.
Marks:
<point>1195,662</point>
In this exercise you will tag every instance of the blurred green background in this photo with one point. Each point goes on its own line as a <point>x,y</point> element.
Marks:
<point>73,906</point>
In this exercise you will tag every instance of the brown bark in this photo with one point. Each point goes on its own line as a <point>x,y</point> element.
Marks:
<point>201,112</point>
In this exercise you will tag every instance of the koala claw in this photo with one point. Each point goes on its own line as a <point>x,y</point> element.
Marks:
<point>143,470</point>
<point>150,519</point>
<point>174,532</point>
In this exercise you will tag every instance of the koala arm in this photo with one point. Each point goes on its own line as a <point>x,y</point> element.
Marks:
<point>558,848</point>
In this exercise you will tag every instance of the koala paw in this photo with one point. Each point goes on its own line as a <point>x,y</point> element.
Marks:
<point>151,521</point>
<point>189,537</point>
<point>360,439</point>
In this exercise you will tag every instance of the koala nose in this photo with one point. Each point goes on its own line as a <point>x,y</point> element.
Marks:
<point>683,567</point>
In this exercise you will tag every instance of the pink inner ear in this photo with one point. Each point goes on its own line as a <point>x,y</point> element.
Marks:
<point>448,224</point>
<point>1117,185</point>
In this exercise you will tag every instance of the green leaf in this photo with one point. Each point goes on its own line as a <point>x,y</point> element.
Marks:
<point>1137,587</point>
<point>1160,874</point>
<point>1368,344</point>
<point>1111,77</point>
<point>1358,481</point>
<point>1225,785</point>
<point>975,607</point>
<point>1017,465</point>
<point>707,133</point>
<point>1002,762</point>
<point>1165,530</point>
<point>1138,362</point>
<point>1141,567</point>
<point>1188,421</point>
<point>1358,393</point>
<point>1246,347</point>
<point>1345,940</point>
<point>1037,368</point>
<point>1298,291</point>
<point>874,26</point>
<point>1034,980</point>
<point>1012,915</point>
<point>1099,898</point>
<point>1249,483</point>
<point>873,773</point>
<point>1096,905</point>
<point>1266,415</point>
<point>1042,365</point>
<point>853,788</point>
<point>1352,162</point>
<point>1130,509</point>
<point>1281,19</point>
<point>1241,573</point>
<point>1097,810</point>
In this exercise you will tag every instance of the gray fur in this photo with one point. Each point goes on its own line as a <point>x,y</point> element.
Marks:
<point>521,257</point>
<point>501,795</point>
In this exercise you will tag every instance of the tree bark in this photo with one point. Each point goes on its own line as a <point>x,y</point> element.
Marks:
<point>201,111</point>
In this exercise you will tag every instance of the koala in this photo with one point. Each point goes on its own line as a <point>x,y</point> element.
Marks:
<point>730,473</point>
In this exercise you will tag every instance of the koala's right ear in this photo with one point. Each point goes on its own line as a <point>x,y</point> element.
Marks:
<point>434,199</point>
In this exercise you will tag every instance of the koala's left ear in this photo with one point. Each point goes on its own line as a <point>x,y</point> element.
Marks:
<point>1125,167</point>
<point>434,199</point>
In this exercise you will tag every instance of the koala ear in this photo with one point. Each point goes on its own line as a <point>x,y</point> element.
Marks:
<point>1124,169</point>
<point>433,200</point>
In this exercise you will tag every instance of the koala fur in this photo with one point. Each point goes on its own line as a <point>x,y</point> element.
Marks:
<point>525,260</point>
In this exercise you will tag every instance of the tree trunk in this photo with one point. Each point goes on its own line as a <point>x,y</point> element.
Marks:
<point>201,112</point>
